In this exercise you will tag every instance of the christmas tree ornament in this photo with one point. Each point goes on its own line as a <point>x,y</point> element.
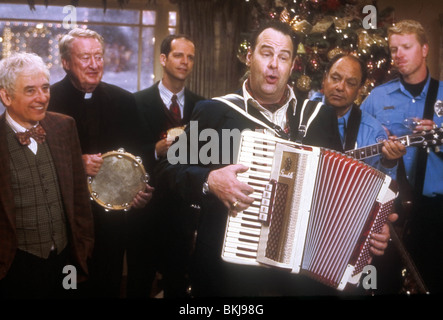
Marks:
<point>322,25</point>
<point>285,16</point>
<point>314,63</point>
<point>301,49</point>
<point>304,83</point>
<point>335,51</point>
<point>242,51</point>
<point>303,27</point>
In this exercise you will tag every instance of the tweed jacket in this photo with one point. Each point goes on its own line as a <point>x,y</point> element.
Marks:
<point>62,139</point>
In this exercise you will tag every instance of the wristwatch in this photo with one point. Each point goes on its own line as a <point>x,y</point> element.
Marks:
<point>205,187</point>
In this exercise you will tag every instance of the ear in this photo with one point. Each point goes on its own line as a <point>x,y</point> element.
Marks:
<point>425,50</point>
<point>65,64</point>
<point>163,59</point>
<point>248,57</point>
<point>5,97</point>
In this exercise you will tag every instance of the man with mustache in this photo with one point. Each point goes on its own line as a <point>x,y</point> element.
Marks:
<point>107,120</point>
<point>415,95</point>
<point>172,223</point>
<point>343,79</point>
<point>46,221</point>
<point>265,98</point>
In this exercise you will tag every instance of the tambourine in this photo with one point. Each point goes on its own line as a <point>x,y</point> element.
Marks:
<point>120,178</point>
<point>173,133</point>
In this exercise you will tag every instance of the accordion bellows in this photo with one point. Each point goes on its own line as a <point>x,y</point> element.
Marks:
<point>313,212</point>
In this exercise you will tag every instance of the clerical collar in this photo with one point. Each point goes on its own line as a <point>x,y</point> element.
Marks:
<point>417,88</point>
<point>88,95</point>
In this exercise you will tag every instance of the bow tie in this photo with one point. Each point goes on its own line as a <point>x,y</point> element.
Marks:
<point>37,133</point>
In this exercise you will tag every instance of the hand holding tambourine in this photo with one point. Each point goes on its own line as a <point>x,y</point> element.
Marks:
<point>121,181</point>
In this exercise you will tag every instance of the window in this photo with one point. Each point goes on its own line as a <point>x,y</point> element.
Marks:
<point>130,49</point>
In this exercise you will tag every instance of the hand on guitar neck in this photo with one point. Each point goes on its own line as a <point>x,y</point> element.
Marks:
<point>391,151</point>
<point>432,138</point>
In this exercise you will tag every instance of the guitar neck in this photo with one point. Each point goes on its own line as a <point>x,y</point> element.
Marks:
<point>374,150</point>
<point>365,152</point>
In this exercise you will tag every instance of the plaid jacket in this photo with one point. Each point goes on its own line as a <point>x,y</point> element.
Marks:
<point>63,142</point>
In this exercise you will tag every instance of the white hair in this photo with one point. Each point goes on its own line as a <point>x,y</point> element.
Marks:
<point>16,64</point>
<point>66,40</point>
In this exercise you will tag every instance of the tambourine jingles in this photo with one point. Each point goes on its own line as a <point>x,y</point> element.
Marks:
<point>121,176</point>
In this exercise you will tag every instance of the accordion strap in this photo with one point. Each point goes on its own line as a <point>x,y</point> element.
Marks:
<point>236,102</point>
<point>308,112</point>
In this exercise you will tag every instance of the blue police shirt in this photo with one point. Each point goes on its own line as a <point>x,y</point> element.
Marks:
<point>391,104</point>
<point>369,133</point>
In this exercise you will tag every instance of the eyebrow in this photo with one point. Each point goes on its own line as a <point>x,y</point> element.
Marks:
<point>265,46</point>
<point>36,86</point>
<point>347,79</point>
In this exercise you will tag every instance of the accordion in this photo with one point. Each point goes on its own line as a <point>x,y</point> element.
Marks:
<point>313,211</point>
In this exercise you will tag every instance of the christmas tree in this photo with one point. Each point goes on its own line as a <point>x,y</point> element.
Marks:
<point>325,28</point>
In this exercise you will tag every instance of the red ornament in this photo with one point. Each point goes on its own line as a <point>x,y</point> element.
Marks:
<point>332,5</point>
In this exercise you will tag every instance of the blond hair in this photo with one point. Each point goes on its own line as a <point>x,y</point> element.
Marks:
<point>409,27</point>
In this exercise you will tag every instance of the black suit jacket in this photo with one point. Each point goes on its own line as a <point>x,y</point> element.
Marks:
<point>106,122</point>
<point>174,220</point>
<point>153,113</point>
<point>186,180</point>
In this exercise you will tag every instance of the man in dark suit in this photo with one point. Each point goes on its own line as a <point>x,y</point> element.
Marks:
<point>268,104</point>
<point>46,221</point>
<point>107,120</point>
<point>162,117</point>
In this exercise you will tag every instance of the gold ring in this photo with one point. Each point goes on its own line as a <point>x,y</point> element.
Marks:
<point>235,204</point>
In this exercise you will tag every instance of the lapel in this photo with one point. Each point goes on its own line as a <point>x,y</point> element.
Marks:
<point>57,143</point>
<point>159,111</point>
<point>353,126</point>
<point>6,195</point>
<point>189,106</point>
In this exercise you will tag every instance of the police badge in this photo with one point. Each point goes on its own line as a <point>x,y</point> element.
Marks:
<point>438,108</point>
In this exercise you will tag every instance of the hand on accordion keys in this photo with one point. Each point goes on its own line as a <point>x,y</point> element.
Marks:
<point>223,183</point>
<point>379,241</point>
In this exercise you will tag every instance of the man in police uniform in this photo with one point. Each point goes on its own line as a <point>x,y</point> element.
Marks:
<point>393,103</point>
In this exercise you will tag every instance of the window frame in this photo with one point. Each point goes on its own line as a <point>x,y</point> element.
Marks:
<point>161,25</point>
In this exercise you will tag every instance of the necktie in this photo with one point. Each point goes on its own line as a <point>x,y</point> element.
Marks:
<point>175,109</point>
<point>342,129</point>
<point>37,133</point>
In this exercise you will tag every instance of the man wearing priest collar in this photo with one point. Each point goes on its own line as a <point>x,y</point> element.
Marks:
<point>414,96</point>
<point>107,120</point>
<point>46,221</point>
<point>268,104</point>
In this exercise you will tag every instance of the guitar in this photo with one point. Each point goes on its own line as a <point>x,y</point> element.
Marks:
<point>426,139</point>
<point>412,280</point>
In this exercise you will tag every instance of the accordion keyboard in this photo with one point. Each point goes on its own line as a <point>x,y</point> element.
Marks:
<point>243,230</point>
